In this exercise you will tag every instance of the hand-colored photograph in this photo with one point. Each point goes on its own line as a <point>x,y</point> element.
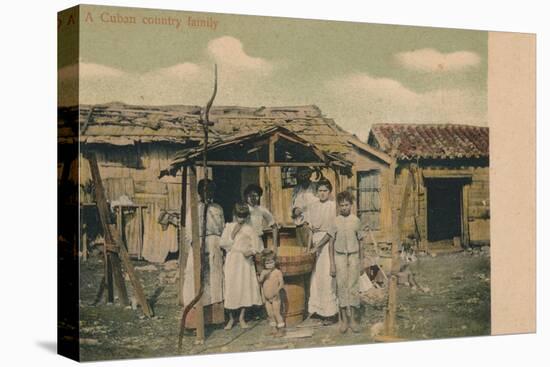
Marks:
<point>245,183</point>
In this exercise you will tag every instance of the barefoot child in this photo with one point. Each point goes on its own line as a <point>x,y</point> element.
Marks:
<point>345,261</point>
<point>322,295</point>
<point>271,279</point>
<point>241,288</point>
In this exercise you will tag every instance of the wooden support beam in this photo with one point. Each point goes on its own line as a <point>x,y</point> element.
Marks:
<point>391,310</point>
<point>112,237</point>
<point>336,188</point>
<point>183,253</point>
<point>389,325</point>
<point>464,216</point>
<point>136,284</point>
<point>84,241</point>
<point>271,154</point>
<point>115,262</point>
<point>401,222</point>
<point>140,231</point>
<point>109,277</point>
<point>197,261</point>
<point>119,279</point>
<point>265,164</point>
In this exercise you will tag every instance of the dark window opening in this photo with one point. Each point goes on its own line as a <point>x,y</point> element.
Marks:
<point>368,198</point>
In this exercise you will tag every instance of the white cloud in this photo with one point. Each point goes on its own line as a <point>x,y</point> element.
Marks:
<point>184,70</point>
<point>430,60</point>
<point>84,72</point>
<point>357,101</point>
<point>228,51</point>
<point>91,70</point>
<point>242,79</point>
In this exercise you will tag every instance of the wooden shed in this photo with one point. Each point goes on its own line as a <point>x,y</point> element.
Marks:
<point>450,194</point>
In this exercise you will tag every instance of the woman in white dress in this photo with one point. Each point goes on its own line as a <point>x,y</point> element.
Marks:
<point>241,288</point>
<point>213,292</point>
<point>322,295</point>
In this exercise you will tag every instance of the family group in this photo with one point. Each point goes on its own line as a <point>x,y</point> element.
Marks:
<point>325,227</point>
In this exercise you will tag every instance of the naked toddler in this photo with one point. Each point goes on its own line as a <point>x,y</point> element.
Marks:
<point>271,279</point>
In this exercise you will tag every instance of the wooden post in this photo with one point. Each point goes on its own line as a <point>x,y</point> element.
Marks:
<point>389,325</point>
<point>271,152</point>
<point>336,188</point>
<point>138,289</point>
<point>115,263</point>
<point>265,181</point>
<point>140,231</point>
<point>119,279</point>
<point>84,241</point>
<point>464,215</point>
<point>115,241</point>
<point>183,232</point>
<point>401,223</point>
<point>196,253</point>
<point>389,322</point>
<point>109,278</point>
<point>119,222</point>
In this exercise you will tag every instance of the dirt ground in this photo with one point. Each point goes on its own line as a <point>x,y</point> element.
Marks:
<point>456,304</point>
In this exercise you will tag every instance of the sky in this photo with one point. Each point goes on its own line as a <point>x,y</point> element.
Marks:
<point>356,73</point>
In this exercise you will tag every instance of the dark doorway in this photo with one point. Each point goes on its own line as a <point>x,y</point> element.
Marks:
<point>444,209</point>
<point>230,183</point>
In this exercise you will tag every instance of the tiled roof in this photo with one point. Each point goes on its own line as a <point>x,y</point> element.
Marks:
<point>445,141</point>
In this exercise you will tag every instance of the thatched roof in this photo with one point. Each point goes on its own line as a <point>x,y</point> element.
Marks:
<point>121,124</point>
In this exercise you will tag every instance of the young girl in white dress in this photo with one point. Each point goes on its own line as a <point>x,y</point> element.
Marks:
<point>241,288</point>
<point>322,296</point>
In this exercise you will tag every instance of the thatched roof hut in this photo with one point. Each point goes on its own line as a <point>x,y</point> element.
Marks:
<point>133,144</point>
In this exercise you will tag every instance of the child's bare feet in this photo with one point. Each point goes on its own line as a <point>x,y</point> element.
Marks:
<point>343,327</point>
<point>354,326</point>
<point>242,322</point>
<point>229,325</point>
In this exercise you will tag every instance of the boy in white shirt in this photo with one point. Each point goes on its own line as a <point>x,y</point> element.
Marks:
<point>345,261</point>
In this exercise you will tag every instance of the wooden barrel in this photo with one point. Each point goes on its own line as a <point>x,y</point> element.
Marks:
<point>293,261</point>
<point>296,265</point>
<point>293,299</point>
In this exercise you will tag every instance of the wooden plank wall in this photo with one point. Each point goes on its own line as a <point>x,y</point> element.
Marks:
<point>478,205</point>
<point>364,162</point>
<point>141,184</point>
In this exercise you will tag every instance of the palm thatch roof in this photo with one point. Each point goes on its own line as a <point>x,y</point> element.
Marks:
<point>122,124</point>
